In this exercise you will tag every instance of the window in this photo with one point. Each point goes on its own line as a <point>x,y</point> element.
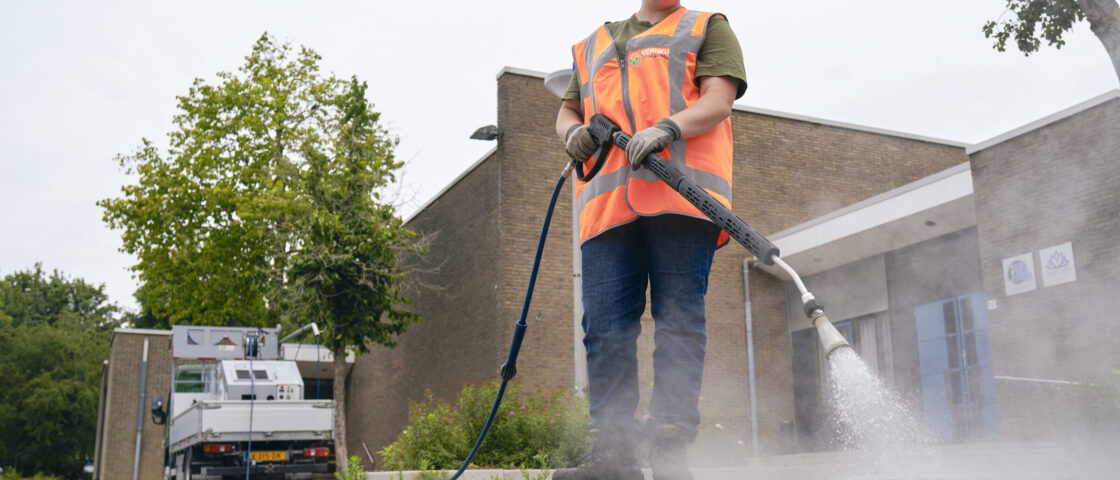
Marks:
<point>191,379</point>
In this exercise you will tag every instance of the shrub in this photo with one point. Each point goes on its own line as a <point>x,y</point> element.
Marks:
<point>542,429</point>
<point>354,470</point>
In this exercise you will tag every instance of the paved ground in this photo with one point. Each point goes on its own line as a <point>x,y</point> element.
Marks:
<point>984,461</point>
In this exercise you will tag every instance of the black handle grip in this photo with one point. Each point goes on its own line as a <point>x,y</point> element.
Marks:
<point>602,129</point>
<point>600,157</point>
<point>722,216</point>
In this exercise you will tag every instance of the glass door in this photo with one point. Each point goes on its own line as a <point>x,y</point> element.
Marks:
<point>958,388</point>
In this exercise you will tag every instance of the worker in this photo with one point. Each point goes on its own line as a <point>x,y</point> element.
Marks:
<point>668,77</point>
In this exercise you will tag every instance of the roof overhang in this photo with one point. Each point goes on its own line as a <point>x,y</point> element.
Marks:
<point>936,205</point>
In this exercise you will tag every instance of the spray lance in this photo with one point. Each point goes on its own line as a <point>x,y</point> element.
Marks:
<point>606,135</point>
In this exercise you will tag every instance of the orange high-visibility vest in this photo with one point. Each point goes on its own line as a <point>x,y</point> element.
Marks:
<point>656,80</point>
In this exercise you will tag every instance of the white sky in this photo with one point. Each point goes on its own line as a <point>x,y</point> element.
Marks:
<point>82,81</point>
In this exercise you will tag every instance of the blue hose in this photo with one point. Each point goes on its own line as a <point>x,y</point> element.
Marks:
<point>317,353</point>
<point>252,400</point>
<point>509,369</point>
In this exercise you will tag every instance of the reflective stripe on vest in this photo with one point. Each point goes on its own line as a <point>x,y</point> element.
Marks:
<point>656,80</point>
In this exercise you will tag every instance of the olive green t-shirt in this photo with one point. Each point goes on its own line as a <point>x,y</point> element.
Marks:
<point>720,54</point>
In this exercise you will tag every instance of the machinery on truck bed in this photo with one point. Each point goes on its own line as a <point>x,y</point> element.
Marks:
<point>236,408</point>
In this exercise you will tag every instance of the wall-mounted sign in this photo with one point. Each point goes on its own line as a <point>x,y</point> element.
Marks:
<point>1057,265</point>
<point>1018,274</point>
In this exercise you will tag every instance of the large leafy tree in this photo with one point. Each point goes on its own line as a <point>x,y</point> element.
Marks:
<point>1036,20</point>
<point>268,208</point>
<point>210,221</point>
<point>56,335</point>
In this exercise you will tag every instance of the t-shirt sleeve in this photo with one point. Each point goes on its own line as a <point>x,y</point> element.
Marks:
<point>573,87</point>
<point>721,54</point>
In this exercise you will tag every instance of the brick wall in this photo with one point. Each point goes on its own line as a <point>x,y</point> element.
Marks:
<point>1055,184</point>
<point>116,446</point>
<point>463,337</point>
<point>531,158</point>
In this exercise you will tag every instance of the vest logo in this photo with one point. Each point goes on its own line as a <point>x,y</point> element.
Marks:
<point>653,52</point>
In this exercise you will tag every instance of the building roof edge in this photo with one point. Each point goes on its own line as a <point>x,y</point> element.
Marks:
<point>1044,121</point>
<point>520,71</point>
<point>450,184</point>
<point>849,126</point>
<point>916,184</point>
<point>141,331</point>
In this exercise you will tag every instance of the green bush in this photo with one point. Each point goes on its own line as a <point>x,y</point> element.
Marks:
<point>14,475</point>
<point>534,430</point>
<point>354,470</point>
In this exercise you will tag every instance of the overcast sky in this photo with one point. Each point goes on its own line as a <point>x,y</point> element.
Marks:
<point>83,81</point>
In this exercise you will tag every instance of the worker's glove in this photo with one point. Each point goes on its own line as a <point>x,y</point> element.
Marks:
<point>578,143</point>
<point>651,140</point>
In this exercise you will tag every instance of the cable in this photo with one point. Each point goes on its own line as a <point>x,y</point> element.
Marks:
<point>509,369</point>
<point>252,339</point>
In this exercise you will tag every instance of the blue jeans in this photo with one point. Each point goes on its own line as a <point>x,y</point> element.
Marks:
<point>674,253</point>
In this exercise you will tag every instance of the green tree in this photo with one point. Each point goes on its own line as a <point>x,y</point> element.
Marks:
<point>51,354</point>
<point>1056,17</point>
<point>211,221</point>
<point>268,208</point>
<point>346,276</point>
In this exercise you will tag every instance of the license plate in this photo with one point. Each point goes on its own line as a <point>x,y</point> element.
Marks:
<point>267,456</point>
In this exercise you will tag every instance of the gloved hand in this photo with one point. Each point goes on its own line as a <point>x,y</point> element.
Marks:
<point>578,143</point>
<point>651,140</point>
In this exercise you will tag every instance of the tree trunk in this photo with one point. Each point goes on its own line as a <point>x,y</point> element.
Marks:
<point>1104,21</point>
<point>340,456</point>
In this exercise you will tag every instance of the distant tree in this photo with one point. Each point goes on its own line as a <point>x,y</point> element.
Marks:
<point>1056,17</point>
<point>33,297</point>
<point>51,351</point>
<point>268,208</point>
<point>5,320</point>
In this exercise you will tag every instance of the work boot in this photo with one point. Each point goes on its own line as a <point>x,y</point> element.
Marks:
<point>668,452</point>
<point>612,458</point>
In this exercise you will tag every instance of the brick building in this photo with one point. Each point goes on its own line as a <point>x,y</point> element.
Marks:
<point>121,450</point>
<point>903,238</point>
<point>1065,191</point>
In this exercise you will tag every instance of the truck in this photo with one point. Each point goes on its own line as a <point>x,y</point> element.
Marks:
<point>236,409</point>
